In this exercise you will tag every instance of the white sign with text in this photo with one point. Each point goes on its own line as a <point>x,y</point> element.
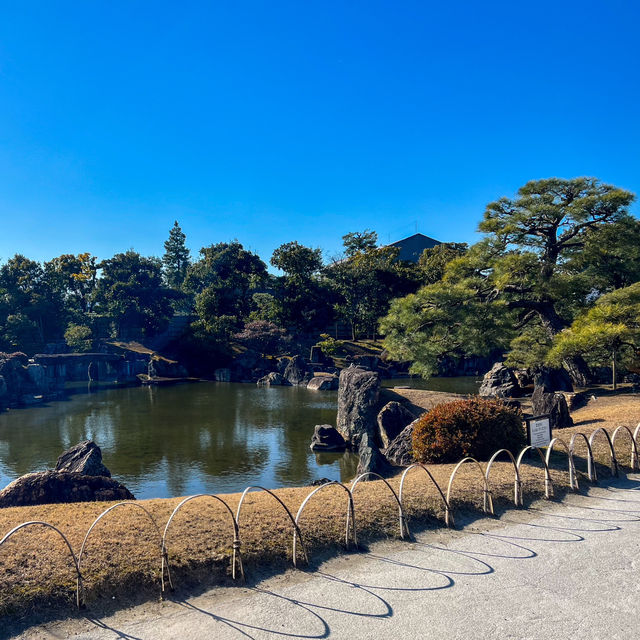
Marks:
<point>539,432</point>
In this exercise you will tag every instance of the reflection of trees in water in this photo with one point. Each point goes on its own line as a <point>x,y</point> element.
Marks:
<point>175,434</point>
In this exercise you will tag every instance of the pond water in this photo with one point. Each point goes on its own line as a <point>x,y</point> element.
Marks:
<point>206,437</point>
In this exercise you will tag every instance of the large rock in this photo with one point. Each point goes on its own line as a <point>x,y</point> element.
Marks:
<point>84,458</point>
<point>323,383</point>
<point>499,382</point>
<point>371,459</point>
<point>272,379</point>
<point>296,371</point>
<point>392,419</point>
<point>48,487</point>
<point>326,438</point>
<point>553,404</point>
<point>367,362</point>
<point>553,380</point>
<point>357,398</point>
<point>400,451</point>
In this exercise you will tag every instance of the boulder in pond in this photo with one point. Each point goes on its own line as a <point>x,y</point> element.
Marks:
<point>392,419</point>
<point>400,451</point>
<point>499,382</point>
<point>367,362</point>
<point>273,379</point>
<point>49,487</point>
<point>371,459</point>
<point>296,372</point>
<point>84,458</point>
<point>323,383</point>
<point>326,438</point>
<point>357,398</point>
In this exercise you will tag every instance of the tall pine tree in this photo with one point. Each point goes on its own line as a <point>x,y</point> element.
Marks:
<point>176,257</point>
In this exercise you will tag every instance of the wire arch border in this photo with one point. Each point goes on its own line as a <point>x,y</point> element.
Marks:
<point>236,557</point>
<point>517,483</point>
<point>42,523</point>
<point>109,510</point>
<point>284,506</point>
<point>350,508</point>
<point>449,521</point>
<point>487,501</point>
<point>404,528</point>
<point>548,483</point>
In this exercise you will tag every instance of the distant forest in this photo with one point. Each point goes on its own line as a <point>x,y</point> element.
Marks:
<point>555,280</point>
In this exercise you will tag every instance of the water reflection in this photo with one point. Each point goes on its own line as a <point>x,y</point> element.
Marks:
<point>206,437</point>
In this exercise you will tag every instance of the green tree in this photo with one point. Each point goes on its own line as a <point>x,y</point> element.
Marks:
<point>79,337</point>
<point>303,304</point>
<point>132,291</point>
<point>432,262</point>
<point>223,281</point>
<point>366,280</point>
<point>358,242</point>
<point>522,270</point>
<point>176,258</point>
<point>29,294</point>
<point>609,332</point>
<point>74,277</point>
<point>610,257</point>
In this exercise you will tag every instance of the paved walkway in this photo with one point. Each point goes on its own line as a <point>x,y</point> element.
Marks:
<point>561,571</point>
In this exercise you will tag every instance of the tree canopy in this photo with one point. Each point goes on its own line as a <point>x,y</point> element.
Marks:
<point>530,274</point>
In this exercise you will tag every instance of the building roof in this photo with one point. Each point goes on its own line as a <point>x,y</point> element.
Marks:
<point>411,248</point>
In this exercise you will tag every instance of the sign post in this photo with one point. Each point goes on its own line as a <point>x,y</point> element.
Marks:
<point>539,430</point>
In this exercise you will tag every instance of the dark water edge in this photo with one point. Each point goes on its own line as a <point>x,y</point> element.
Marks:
<point>206,437</point>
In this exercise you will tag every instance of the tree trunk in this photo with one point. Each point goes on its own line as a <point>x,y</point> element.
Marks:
<point>578,370</point>
<point>613,370</point>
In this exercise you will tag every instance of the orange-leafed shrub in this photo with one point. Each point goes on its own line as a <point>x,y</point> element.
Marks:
<point>475,427</point>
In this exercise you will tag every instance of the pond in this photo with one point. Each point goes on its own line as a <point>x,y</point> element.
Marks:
<point>206,437</point>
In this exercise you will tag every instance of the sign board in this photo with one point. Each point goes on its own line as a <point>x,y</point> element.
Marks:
<point>539,431</point>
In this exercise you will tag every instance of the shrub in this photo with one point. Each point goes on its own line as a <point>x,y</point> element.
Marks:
<point>475,427</point>
<point>330,346</point>
<point>79,337</point>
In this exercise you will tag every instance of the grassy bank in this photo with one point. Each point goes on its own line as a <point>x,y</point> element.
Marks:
<point>122,562</point>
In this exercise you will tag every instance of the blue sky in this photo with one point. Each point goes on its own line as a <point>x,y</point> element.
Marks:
<point>274,121</point>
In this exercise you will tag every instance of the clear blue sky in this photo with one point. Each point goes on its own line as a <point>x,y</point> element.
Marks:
<point>273,121</point>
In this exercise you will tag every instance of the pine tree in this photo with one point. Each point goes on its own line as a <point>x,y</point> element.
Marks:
<point>176,257</point>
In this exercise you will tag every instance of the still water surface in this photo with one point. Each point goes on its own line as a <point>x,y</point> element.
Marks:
<point>205,437</point>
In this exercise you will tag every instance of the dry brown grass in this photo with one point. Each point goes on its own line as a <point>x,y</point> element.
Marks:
<point>123,553</point>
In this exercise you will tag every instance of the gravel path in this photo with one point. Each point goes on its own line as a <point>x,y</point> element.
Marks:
<point>566,570</point>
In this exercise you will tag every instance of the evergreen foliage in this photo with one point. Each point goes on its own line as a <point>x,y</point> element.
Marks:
<point>176,258</point>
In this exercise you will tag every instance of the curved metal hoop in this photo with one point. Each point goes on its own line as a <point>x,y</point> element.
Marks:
<point>634,445</point>
<point>105,512</point>
<point>487,504</point>
<point>404,528</point>
<point>614,460</point>
<point>591,467</point>
<point>350,507</point>
<point>548,485</point>
<point>636,433</point>
<point>79,584</point>
<point>517,483</point>
<point>236,538</point>
<point>447,510</point>
<point>573,479</point>
<point>284,506</point>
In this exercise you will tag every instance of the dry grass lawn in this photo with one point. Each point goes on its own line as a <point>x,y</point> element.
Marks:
<point>122,561</point>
